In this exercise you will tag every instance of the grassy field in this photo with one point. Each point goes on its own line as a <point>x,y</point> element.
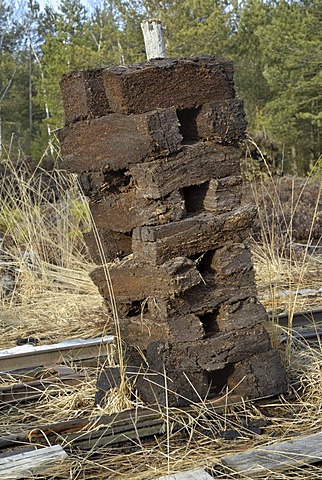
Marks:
<point>46,294</point>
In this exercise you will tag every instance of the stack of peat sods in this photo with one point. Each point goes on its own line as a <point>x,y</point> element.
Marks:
<point>156,150</point>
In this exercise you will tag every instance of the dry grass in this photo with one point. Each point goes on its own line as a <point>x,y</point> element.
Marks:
<point>56,299</point>
<point>200,440</point>
<point>42,217</point>
<point>58,403</point>
<point>287,242</point>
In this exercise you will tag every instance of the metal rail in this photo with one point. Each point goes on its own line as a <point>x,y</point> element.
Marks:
<point>28,356</point>
<point>305,325</point>
<point>298,319</point>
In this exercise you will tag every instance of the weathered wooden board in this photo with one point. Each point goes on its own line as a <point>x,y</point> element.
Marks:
<point>31,391</point>
<point>124,211</point>
<point>84,95</point>
<point>277,457</point>
<point>31,374</point>
<point>116,141</point>
<point>195,474</point>
<point>86,432</point>
<point>115,427</point>
<point>26,465</point>
<point>184,83</point>
<point>30,356</point>
<point>132,282</point>
<point>194,165</point>
<point>192,235</point>
<point>105,437</point>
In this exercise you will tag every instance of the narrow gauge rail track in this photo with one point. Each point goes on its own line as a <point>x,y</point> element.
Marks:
<point>299,319</point>
<point>86,434</point>
<point>306,325</point>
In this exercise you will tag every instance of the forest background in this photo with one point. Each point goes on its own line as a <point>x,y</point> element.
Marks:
<point>275,46</point>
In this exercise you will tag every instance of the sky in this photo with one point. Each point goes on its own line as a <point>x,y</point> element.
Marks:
<point>54,3</point>
<point>43,3</point>
<point>20,5</point>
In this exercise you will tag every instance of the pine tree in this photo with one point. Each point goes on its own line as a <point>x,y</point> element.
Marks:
<point>105,33</point>
<point>292,57</point>
<point>73,39</point>
<point>251,83</point>
<point>12,78</point>
<point>66,46</point>
<point>275,46</point>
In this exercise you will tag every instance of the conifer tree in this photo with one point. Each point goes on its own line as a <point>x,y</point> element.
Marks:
<point>292,66</point>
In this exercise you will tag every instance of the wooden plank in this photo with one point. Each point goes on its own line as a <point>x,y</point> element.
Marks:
<point>195,474</point>
<point>28,356</point>
<point>277,457</point>
<point>25,465</point>
<point>106,430</point>
<point>81,427</point>
<point>88,441</point>
<point>30,391</point>
<point>35,373</point>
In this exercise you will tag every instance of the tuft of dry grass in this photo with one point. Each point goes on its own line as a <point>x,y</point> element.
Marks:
<point>287,241</point>
<point>42,218</point>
